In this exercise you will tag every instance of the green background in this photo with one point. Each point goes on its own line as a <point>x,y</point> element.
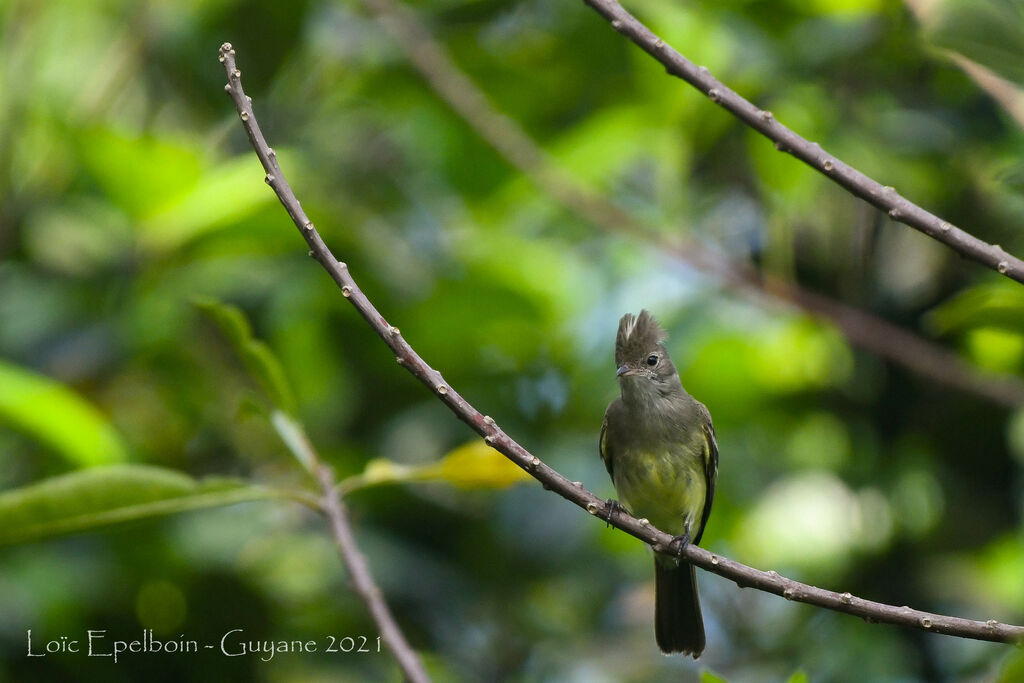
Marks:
<point>127,189</point>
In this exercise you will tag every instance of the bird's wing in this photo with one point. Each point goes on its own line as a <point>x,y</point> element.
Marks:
<point>606,454</point>
<point>710,469</point>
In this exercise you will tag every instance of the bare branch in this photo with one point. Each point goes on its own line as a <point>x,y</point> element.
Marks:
<point>294,437</point>
<point>887,199</point>
<point>362,580</point>
<point>493,435</point>
<point>861,328</point>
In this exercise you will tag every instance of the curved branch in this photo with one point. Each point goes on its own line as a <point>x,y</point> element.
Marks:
<point>493,435</point>
<point>295,439</point>
<point>861,328</point>
<point>899,208</point>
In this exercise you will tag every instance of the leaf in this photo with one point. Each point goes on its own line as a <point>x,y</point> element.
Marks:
<point>799,676</point>
<point>1013,667</point>
<point>989,32</point>
<point>140,173</point>
<point>259,360</point>
<point>474,465</point>
<point>101,496</point>
<point>997,304</point>
<point>225,194</point>
<point>709,676</point>
<point>58,417</point>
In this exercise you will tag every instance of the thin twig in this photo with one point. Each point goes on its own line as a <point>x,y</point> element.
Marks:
<point>294,437</point>
<point>861,328</point>
<point>899,208</point>
<point>362,580</point>
<point>486,427</point>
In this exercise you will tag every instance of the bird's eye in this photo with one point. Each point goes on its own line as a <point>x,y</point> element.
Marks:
<point>652,359</point>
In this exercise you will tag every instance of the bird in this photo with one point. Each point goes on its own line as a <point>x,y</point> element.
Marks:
<point>658,444</point>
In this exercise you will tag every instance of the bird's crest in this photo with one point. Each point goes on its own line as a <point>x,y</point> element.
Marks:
<point>638,334</point>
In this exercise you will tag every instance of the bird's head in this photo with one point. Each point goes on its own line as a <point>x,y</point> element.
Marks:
<point>640,353</point>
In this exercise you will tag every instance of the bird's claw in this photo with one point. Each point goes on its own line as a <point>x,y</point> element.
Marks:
<point>680,542</point>
<point>611,506</point>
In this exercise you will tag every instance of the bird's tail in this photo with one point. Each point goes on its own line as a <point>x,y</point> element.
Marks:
<point>678,624</point>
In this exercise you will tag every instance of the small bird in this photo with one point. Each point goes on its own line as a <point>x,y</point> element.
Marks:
<point>659,446</point>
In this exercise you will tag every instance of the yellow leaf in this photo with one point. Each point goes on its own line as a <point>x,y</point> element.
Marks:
<point>473,465</point>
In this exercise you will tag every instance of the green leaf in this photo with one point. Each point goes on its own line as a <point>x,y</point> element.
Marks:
<point>989,32</point>
<point>709,676</point>
<point>474,465</point>
<point>224,195</point>
<point>140,173</point>
<point>58,417</point>
<point>1013,667</point>
<point>101,496</point>
<point>259,360</point>
<point>995,304</point>
<point>798,676</point>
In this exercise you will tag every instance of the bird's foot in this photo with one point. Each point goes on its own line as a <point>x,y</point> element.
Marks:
<point>611,506</point>
<point>680,542</point>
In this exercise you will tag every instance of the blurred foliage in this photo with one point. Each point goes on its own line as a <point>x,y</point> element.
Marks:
<point>128,190</point>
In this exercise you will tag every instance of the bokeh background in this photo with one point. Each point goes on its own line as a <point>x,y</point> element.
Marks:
<point>127,188</point>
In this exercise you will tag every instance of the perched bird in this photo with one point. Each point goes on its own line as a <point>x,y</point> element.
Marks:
<point>659,446</point>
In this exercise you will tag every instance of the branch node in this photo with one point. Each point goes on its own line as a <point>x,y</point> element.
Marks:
<point>400,360</point>
<point>1003,267</point>
<point>846,598</point>
<point>592,508</point>
<point>944,227</point>
<point>991,624</point>
<point>237,73</point>
<point>781,146</point>
<point>766,115</point>
<point>308,226</point>
<point>659,43</point>
<point>535,462</point>
<point>788,593</point>
<point>269,180</point>
<point>828,165</point>
<point>714,95</point>
<point>644,521</point>
<point>894,213</point>
<point>244,116</point>
<point>488,420</point>
<point>773,574</point>
<point>926,622</point>
<point>311,254</point>
<point>714,559</point>
<point>617,25</point>
<point>490,439</point>
<point>441,389</point>
<point>346,291</point>
<point>227,87</point>
<point>394,331</point>
<point>578,484</point>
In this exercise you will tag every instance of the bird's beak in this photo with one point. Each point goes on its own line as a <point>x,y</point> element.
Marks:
<point>623,371</point>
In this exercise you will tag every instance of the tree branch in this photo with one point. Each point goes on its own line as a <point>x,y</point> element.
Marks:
<point>861,328</point>
<point>362,580</point>
<point>493,435</point>
<point>887,199</point>
<point>294,438</point>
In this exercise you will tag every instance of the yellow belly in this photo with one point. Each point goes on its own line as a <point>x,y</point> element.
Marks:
<point>667,488</point>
